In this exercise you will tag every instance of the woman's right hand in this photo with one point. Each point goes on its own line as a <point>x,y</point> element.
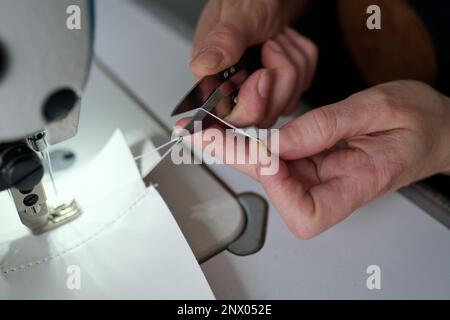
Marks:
<point>228,27</point>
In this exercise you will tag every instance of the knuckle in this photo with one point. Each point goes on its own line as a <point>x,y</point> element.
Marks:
<point>388,103</point>
<point>383,97</point>
<point>290,69</point>
<point>263,14</point>
<point>324,121</point>
<point>260,16</point>
<point>305,228</point>
<point>296,132</point>
<point>311,48</point>
<point>304,234</point>
<point>290,74</point>
<point>224,35</point>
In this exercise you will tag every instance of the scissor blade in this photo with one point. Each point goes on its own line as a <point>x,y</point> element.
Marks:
<point>198,95</point>
<point>200,115</point>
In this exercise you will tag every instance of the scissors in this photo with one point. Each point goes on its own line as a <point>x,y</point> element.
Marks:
<point>217,93</point>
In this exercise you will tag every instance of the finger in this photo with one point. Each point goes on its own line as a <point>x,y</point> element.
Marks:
<point>209,18</point>
<point>310,52</point>
<point>297,56</point>
<point>252,100</point>
<point>223,147</point>
<point>310,211</point>
<point>321,128</point>
<point>223,34</point>
<point>343,189</point>
<point>284,78</point>
<point>333,201</point>
<point>291,199</point>
<point>222,47</point>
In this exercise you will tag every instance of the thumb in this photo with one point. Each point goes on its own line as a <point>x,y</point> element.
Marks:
<point>223,33</point>
<point>222,47</point>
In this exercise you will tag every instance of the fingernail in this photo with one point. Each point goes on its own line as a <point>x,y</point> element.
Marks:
<point>275,46</point>
<point>264,84</point>
<point>209,58</point>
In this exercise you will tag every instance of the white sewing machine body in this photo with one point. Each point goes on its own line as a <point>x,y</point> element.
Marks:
<point>44,67</point>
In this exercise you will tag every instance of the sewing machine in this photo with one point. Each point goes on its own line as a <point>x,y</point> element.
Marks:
<point>44,68</point>
<point>41,129</point>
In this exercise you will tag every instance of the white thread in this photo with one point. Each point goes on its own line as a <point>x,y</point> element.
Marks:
<point>177,140</point>
<point>235,129</point>
<point>28,265</point>
<point>49,168</point>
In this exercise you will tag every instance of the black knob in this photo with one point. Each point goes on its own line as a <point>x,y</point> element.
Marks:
<point>21,168</point>
<point>59,104</point>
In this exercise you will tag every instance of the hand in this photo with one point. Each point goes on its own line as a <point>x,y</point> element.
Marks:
<point>228,27</point>
<point>337,158</point>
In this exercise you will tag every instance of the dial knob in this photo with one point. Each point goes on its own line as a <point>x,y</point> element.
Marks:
<point>21,168</point>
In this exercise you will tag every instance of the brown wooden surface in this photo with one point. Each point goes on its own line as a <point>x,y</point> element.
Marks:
<point>402,49</point>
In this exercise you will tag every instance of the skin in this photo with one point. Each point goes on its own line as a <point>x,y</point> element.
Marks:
<point>227,28</point>
<point>338,157</point>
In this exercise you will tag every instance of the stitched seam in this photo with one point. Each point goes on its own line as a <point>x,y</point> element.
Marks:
<point>27,266</point>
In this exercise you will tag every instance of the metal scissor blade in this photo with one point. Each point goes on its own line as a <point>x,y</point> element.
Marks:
<point>200,115</point>
<point>198,95</point>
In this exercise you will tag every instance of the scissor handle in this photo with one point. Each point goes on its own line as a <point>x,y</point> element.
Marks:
<point>250,61</point>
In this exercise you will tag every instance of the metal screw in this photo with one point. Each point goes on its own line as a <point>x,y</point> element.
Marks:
<point>31,200</point>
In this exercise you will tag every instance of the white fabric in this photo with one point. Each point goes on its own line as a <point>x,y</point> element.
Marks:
<point>126,244</point>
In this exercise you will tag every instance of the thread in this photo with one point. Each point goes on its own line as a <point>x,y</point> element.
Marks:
<point>178,140</point>
<point>159,148</point>
<point>49,167</point>
<point>235,129</point>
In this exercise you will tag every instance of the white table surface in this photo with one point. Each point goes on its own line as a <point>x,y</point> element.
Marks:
<point>412,249</point>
